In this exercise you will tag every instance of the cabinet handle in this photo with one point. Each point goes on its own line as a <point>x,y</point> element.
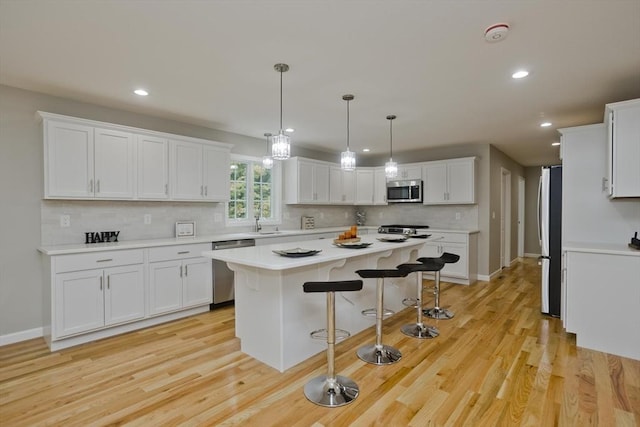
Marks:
<point>97,186</point>
<point>206,190</point>
<point>105,260</point>
<point>91,186</point>
<point>183,252</point>
<point>109,282</point>
<point>186,270</point>
<point>180,271</point>
<point>166,189</point>
<point>100,282</point>
<point>202,190</point>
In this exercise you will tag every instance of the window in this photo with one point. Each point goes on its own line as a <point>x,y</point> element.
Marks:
<point>253,191</point>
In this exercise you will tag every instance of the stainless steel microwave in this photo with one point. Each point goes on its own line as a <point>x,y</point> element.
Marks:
<point>404,191</point>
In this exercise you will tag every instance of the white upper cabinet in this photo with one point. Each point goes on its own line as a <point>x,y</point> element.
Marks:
<point>341,186</point>
<point>449,181</point>
<point>88,162</point>
<point>68,150</point>
<point>85,159</point>
<point>623,119</point>
<point>153,167</point>
<point>364,186</point>
<point>379,186</point>
<point>306,181</point>
<point>408,172</point>
<point>114,164</point>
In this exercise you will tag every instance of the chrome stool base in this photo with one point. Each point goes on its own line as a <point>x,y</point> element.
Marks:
<point>331,393</point>
<point>384,355</point>
<point>438,313</point>
<point>420,331</point>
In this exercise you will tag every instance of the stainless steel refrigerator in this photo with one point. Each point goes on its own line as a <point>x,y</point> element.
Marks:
<point>550,236</point>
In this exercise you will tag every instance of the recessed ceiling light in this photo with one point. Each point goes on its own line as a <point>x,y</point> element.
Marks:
<point>289,130</point>
<point>366,150</point>
<point>520,74</point>
<point>545,124</point>
<point>555,143</point>
<point>141,92</point>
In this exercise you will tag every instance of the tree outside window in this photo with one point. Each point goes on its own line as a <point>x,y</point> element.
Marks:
<point>251,191</point>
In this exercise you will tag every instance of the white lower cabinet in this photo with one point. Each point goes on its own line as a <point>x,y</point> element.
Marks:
<point>179,278</point>
<point>462,244</point>
<point>94,298</point>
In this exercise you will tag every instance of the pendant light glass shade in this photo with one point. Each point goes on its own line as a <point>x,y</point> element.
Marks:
<point>348,158</point>
<point>281,143</point>
<point>391,167</point>
<point>267,161</point>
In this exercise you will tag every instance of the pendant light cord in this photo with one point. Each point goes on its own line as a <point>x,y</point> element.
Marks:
<point>390,139</point>
<point>280,101</point>
<point>348,125</point>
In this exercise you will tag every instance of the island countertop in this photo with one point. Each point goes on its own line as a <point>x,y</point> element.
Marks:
<point>264,257</point>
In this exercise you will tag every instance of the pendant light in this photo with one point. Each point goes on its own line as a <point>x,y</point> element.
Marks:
<point>281,143</point>
<point>391,167</point>
<point>267,161</point>
<point>348,158</point>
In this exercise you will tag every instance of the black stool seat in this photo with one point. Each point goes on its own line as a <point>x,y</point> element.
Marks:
<point>337,286</point>
<point>432,264</point>
<point>438,312</point>
<point>446,257</point>
<point>375,274</point>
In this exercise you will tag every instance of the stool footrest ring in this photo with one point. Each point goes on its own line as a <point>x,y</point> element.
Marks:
<point>420,331</point>
<point>371,312</point>
<point>410,302</point>
<point>323,334</point>
<point>438,313</point>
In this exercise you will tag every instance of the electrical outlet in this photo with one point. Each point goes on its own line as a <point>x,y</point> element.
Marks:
<point>321,215</point>
<point>147,218</point>
<point>457,215</point>
<point>493,215</point>
<point>346,215</point>
<point>65,221</point>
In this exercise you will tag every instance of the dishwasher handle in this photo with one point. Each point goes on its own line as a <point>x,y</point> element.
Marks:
<point>230,244</point>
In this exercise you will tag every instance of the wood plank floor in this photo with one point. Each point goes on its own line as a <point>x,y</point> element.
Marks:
<point>498,362</point>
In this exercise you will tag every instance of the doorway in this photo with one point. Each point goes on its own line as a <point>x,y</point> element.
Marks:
<point>505,218</point>
<point>521,187</point>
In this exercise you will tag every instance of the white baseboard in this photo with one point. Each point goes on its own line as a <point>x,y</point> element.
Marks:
<point>21,336</point>
<point>529,255</point>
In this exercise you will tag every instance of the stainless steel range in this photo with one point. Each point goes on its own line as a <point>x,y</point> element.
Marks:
<point>417,231</point>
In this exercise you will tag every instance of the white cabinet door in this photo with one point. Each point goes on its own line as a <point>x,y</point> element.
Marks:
<point>68,160</point>
<point>79,305</point>
<point>456,269</point>
<point>216,174</point>
<point>153,167</point>
<point>165,286</point>
<point>364,186</point>
<point>409,172</point>
<point>123,294</point>
<point>186,165</point>
<point>305,182</point>
<point>435,183</point>
<point>624,148</point>
<point>341,186</point>
<point>321,180</point>
<point>379,187</point>
<point>461,181</point>
<point>197,282</point>
<point>113,164</point>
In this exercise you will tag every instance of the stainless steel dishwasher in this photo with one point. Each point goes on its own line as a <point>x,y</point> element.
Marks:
<point>223,292</point>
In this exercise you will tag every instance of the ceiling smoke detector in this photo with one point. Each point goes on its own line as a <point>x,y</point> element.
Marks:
<point>496,33</point>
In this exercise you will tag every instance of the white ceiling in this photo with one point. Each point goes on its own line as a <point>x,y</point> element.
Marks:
<point>211,63</point>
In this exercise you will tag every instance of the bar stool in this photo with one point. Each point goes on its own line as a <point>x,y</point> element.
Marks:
<point>438,312</point>
<point>419,329</point>
<point>331,390</point>
<point>378,353</point>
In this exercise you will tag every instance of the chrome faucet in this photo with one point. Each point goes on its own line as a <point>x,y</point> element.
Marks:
<point>258,226</point>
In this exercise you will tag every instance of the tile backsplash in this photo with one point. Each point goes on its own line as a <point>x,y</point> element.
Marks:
<point>128,218</point>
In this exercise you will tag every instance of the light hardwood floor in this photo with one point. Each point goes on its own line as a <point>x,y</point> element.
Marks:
<point>498,362</point>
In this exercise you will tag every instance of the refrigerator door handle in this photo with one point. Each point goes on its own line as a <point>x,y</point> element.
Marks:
<point>539,210</point>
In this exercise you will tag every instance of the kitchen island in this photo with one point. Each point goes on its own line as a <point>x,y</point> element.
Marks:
<point>274,316</point>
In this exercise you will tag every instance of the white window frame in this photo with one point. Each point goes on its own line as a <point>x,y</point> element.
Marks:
<point>276,191</point>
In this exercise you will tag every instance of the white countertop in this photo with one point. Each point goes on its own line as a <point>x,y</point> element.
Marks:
<point>170,241</point>
<point>264,257</point>
<point>601,248</point>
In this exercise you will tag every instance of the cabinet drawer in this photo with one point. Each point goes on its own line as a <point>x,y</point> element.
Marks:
<point>88,261</point>
<point>166,253</point>
<point>447,237</point>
